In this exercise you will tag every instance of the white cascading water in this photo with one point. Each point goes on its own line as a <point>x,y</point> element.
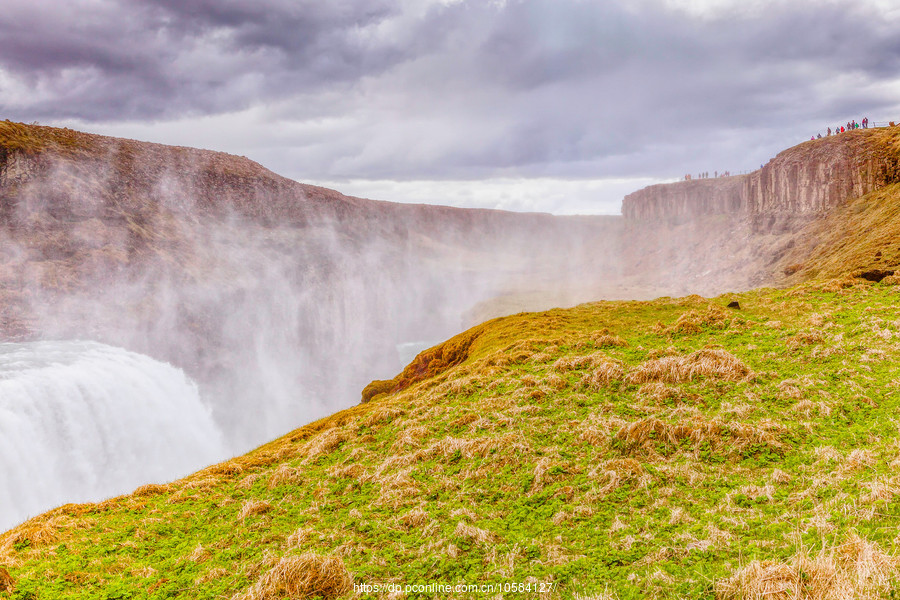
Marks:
<point>82,421</point>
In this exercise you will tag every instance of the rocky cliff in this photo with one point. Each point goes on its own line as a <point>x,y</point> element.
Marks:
<point>685,200</point>
<point>803,181</point>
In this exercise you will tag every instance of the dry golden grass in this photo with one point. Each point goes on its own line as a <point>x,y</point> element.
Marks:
<point>841,283</point>
<point>384,414</point>
<point>539,358</point>
<point>410,437</point>
<point>541,477</point>
<point>463,512</point>
<point>694,322</point>
<point>213,574</point>
<point>6,580</point>
<point>40,531</point>
<point>556,382</point>
<point>779,476</point>
<point>324,443</point>
<point>859,459</point>
<point>229,468</point>
<point>414,518</point>
<point>204,483</point>
<point>855,570</point>
<point>880,490</point>
<point>253,507</point>
<point>577,363</point>
<point>248,482</point>
<point>805,338</point>
<point>283,475</point>
<point>198,554</point>
<point>789,389</point>
<point>658,392</point>
<point>398,488</point>
<point>708,362</point>
<point>660,352</point>
<point>604,339</point>
<point>306,576</point>
<point>615,471</point>
<point>808,408</point>
<point>647,436</point>
<point>299,537</point>
<point>480,446</point>
<point>597,431</point>
<point>605,373</point>
<point>151,489</point>
<point>470,532</point>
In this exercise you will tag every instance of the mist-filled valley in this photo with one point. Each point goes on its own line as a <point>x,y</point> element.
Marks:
<point>268,368</point>
<point>449,299</point>
<point>279,301</point>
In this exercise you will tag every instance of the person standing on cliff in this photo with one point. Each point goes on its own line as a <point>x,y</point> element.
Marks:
<point>829,131</point>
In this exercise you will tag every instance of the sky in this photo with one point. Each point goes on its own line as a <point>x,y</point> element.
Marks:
<point>559,106</point>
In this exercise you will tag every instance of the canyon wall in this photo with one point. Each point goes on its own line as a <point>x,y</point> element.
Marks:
<point>684,200</point>
<point>800,182</point>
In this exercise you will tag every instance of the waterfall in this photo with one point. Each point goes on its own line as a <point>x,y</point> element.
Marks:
<point>82,421</point>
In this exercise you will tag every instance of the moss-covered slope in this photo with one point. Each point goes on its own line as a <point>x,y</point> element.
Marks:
<point>642,449</point>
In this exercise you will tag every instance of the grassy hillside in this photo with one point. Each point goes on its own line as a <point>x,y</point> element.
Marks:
<point>677,448</point>
<point>674,448</point>
<point>862,234</point>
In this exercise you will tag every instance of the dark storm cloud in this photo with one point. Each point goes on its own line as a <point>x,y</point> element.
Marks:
<point>136,60</point>
<point>566,88</point>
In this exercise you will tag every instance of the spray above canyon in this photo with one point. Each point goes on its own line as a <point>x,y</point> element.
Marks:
<point>279,301</point>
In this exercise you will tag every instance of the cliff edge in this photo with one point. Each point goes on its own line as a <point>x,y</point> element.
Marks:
<point>804,181</point>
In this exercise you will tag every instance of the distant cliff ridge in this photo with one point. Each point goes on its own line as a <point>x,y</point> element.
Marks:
<point>683,200</point>
<point>808,179</point>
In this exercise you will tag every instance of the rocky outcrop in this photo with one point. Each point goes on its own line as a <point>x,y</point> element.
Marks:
<point>817,175</point>
<point>800,182</point>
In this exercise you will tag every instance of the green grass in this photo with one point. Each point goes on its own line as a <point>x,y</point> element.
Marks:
<point>521,464</point>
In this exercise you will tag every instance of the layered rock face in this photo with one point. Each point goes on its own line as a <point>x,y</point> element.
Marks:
<point>803,181</point>
<point>818,175</point>
<point>684,200</point>
<point>712,235</point>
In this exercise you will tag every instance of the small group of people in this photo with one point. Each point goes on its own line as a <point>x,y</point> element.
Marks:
<point>864,124</point>
<point>705,175</point>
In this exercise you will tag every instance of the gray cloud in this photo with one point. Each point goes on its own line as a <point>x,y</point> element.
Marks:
<point>411,89</point>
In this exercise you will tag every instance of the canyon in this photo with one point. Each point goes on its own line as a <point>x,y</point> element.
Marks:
<point>283,300</point>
